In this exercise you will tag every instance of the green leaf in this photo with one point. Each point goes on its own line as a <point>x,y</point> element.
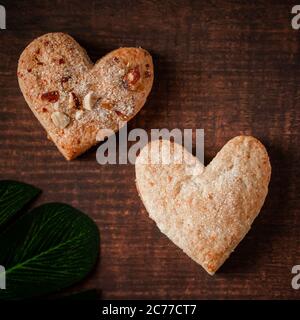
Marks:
<point>48,249</point>
<point>13,197</point>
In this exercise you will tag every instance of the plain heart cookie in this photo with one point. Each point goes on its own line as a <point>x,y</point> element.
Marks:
<point>206,211</point>
<point>76,101</point>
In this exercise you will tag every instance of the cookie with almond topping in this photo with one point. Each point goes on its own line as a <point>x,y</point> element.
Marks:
<point>73,98</point>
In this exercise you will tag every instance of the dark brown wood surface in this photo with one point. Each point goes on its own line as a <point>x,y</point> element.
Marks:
<point>229,67</point>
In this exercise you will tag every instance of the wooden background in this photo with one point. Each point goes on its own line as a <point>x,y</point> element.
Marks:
<point>230,67</point>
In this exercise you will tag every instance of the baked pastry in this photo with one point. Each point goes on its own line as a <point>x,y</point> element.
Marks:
<point>76,101</point>
<point>206,211</point>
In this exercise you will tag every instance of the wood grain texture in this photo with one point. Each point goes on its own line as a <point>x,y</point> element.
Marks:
<point>230,67</point>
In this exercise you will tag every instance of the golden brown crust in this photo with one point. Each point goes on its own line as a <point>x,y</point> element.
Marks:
<point>54,66</point>
<point>206,211</point>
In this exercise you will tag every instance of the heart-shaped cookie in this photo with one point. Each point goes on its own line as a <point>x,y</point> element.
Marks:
<point>76,101</point>
<point>206,211</point>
